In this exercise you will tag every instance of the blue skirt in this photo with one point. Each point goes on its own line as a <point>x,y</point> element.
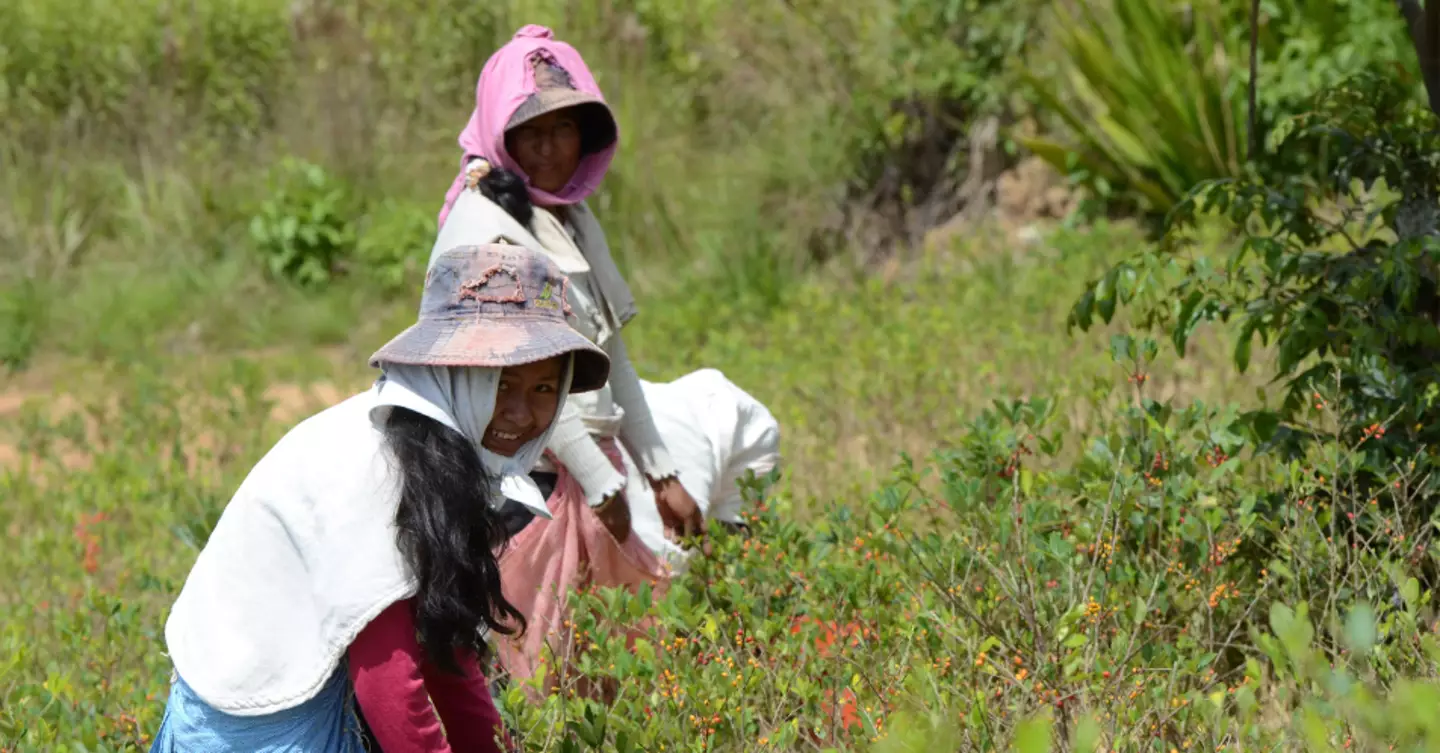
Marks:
<point>327,723</point>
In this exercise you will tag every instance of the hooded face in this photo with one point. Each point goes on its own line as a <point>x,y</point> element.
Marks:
<point>547,148</point>
<point>536,71</point>
<point>526,401</point>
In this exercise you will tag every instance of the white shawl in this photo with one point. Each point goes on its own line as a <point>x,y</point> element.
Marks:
<point>304,555</point>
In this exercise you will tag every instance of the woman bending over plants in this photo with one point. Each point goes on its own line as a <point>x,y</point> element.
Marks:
<point>353,580</point>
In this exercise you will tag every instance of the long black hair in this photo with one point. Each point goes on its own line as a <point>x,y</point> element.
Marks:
<point>507,190</point>
<point>449,535</point>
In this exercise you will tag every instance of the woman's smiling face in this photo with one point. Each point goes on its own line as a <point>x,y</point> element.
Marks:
<point>525,405</point>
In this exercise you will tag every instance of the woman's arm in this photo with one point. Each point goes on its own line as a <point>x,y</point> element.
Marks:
<point>582,457</point>
<point>604,486</point>
<point>400,691</point>
<point>679,512</point>
<point>465,705</point>
<point>637,427</point>
<point>385,668</point>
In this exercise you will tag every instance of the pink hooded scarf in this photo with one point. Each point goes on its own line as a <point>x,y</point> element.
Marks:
<point>505,83</point>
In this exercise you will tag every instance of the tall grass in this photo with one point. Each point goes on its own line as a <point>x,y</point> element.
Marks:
<point>135,142</point>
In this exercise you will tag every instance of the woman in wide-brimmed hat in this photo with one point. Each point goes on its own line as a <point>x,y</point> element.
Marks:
<point>355,568</point>
<point>653,459</point>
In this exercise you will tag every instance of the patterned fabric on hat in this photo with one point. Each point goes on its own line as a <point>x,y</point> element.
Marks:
<point>494,306</point>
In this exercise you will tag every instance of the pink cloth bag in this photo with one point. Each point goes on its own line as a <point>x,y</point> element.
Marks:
<point>550,559</point>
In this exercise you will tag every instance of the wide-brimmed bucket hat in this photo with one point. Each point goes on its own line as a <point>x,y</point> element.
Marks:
<point>493,306</point>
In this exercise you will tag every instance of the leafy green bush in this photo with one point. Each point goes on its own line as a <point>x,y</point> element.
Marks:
<point>1340,276</point>
<point>22,313</point>
<point>135,71</point>
<point>394,243</point>
<point>1122,598</point>
<point>955,60</point>
<point>306,225</point>
<point>1306,47</point>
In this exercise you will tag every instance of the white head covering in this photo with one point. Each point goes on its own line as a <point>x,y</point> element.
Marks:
<point>304,556</point>
<point>464,400</point>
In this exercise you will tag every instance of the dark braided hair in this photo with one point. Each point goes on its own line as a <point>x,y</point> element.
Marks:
<point>507,190</point>
<point>449,535</point>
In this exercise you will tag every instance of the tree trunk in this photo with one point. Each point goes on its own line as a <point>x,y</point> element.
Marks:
<point>1424,23</point>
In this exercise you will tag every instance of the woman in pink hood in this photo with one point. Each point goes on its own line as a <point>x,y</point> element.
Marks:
<point>655,460</point>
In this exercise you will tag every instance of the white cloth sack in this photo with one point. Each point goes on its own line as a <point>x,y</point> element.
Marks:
<point>716,433</point>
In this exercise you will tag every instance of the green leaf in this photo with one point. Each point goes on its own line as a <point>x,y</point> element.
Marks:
<point>1360,628</point>
<point>644,650</point>
<point>1082,314</point>
<point>1264,424</point>
<point>1410,592</point>
<point>1087,735</point>
<point>1242,347</point>
<point>1280,569</point>
<point>1033,736</point>
<point>1186,321</point>
<point>1105,293</point>
<point>1317,734</point>
<point>1122,348</point>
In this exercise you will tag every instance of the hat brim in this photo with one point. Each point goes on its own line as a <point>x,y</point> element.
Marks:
<point>550,100</point>
<point>488,343</point>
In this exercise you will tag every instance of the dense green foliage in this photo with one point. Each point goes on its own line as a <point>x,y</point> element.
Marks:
<point>1153,95</point>
<point>1339,274</point>
<point>990,533</point>
<point>1135,599</point>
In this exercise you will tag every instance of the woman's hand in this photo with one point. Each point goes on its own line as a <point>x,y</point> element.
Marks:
<point>614,512</point>
<point>678,510</point>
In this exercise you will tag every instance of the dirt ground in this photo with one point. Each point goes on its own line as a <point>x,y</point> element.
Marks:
<point>289,402</point>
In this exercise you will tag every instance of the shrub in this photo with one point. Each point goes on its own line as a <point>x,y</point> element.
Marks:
<point>305,227</point>
<point>1307,47</point>
<point>1150,96</point>
<point>394,243</point>
<point>1133,598</point>
<point>1339,276</point>
<point>141,73</point>
<point>22,314</point>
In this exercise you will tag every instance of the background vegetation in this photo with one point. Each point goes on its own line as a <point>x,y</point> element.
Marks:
<point>992,532</point>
